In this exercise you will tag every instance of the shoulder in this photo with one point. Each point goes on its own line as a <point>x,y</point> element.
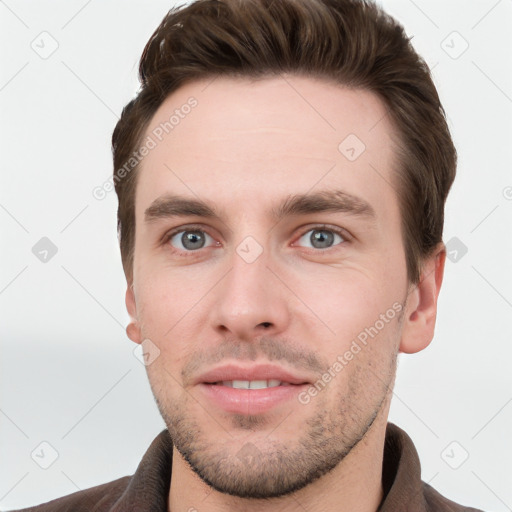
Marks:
<point>100,498</point>
<point>436,502</point>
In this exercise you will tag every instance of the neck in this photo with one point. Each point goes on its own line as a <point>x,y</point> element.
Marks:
<point>355,485</point>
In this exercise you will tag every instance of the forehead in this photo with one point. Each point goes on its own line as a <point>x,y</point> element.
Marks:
<point>232,140</point>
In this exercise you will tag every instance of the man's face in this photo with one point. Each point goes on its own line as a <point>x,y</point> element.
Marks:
<point>272,283</point>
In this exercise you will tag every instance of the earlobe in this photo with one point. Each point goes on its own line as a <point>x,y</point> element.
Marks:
<point>132,329</point>
<point>421,308</point>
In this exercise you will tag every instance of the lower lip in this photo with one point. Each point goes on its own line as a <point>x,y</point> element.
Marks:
<point>250,401</point>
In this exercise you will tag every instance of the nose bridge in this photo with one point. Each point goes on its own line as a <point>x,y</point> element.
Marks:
<point>249,297</point>
<point>248,281</point>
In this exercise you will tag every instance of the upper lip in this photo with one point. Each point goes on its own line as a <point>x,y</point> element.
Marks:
<point>231,372</point>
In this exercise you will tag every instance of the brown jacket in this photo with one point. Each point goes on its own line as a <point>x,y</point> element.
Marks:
<point>148,489</point>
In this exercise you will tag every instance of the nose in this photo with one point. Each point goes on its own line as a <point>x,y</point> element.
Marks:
<point>251,301</point>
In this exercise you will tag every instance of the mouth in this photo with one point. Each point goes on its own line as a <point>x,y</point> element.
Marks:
<point>250,390</point>
<point>259,376</point>
<point>252,384</point>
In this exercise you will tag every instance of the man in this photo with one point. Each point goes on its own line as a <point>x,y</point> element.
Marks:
<point>281,177</point>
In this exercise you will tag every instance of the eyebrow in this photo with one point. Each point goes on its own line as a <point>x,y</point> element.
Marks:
<point>336,201</point>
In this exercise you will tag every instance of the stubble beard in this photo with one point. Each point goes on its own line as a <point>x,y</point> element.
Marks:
<point>279,468</point>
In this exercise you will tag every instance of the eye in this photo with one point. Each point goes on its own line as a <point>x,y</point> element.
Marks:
<point>189,239</point>
<point>322,238</point>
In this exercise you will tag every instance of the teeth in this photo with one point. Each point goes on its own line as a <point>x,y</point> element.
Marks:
<point>252,384</point>
<point>256,384</point>
<point>241,384</point>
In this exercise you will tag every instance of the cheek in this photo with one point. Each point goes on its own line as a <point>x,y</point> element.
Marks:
<point>172,300</point>
<point>355,314</point>
<point>346,300</point>
<point>166,297</point>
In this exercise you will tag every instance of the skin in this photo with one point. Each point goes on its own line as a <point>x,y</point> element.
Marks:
<point>245,148</point>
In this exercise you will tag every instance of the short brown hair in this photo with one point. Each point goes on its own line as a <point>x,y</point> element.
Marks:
<point>348,42</point>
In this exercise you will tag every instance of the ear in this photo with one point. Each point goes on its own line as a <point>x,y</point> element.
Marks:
<point>132,329</point>
<point>421,306</point>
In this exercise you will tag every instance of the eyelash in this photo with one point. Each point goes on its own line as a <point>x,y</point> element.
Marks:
<point>321,227</point>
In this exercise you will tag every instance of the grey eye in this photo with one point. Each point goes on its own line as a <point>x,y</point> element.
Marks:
<point>190,240</point>
<point>320,238</point>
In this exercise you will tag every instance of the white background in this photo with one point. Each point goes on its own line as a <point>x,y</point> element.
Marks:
<point>67,370</point>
